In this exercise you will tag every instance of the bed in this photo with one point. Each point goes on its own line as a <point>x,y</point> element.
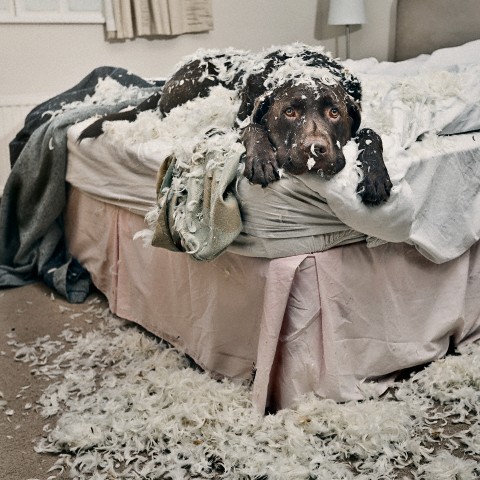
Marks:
<point>315,291</point>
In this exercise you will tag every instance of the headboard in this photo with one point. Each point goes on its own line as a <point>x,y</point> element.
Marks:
<point>423,26</point>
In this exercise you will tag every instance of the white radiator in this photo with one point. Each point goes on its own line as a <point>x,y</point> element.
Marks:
<point>13,110</point>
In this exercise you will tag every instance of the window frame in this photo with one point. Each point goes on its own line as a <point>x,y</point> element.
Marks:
<point>16,12</point>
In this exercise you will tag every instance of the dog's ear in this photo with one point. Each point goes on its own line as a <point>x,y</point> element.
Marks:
<point>260,108</point>
<point>354,111</point>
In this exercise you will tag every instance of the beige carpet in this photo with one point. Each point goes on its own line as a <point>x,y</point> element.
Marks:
<point>130,407</point>
<point>28,312</point>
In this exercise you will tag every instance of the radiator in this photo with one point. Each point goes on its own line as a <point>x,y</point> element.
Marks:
<point>13,110</point>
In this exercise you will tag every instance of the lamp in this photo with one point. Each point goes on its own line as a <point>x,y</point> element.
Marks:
<point>347,12</point>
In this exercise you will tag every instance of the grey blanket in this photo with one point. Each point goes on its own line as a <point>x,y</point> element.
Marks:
<point>32,243</point>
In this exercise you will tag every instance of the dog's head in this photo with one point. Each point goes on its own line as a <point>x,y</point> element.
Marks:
<point>308,125</point>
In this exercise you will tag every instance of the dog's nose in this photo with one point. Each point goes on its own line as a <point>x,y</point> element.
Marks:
<point>316,148</point>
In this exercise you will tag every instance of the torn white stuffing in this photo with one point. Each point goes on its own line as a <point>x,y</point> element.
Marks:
<point>199,135</point>
<point>107,92</point>
<point>128,406</point>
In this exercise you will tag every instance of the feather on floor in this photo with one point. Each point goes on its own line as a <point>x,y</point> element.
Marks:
<point>130,406</point>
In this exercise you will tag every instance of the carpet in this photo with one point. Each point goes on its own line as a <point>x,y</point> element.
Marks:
<point>122,404</point>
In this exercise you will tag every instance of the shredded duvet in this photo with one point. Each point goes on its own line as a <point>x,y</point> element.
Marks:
<point>203,152</point>
<point>131,407</point>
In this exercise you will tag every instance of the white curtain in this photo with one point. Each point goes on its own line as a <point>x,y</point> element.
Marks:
<point>137,18</point>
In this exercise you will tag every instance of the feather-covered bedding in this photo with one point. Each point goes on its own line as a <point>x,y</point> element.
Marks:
<point>409,103</point>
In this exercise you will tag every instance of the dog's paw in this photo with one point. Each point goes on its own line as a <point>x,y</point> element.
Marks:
<point>260,172</point>
<point>376,184</point>
<point>375,188</point>
<point>261,167</point>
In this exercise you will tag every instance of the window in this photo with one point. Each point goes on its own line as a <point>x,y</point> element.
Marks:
<point>51,11</point>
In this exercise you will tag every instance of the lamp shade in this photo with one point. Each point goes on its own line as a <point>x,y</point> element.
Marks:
<point>346,12</point>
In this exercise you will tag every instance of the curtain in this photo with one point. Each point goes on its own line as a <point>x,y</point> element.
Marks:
<point>139,18</point>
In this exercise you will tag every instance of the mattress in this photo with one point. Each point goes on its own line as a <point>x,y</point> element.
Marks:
<point>305,214</point>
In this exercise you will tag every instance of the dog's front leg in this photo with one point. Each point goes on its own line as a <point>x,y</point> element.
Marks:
<point>261,165</point>
<point>376,185</point>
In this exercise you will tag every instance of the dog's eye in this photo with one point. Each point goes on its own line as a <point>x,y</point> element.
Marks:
<point>334,112</point>
<point>290,112</point>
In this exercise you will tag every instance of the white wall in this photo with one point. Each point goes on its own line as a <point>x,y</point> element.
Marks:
<point>39,61</point>
<point>46,59</point>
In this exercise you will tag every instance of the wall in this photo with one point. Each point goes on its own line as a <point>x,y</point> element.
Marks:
<point>39,61</point>
<point>49,58</point>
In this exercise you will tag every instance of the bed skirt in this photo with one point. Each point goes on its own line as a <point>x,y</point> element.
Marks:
<point>340,323</point>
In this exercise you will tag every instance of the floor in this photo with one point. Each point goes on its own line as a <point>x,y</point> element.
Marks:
<point>27,313</point>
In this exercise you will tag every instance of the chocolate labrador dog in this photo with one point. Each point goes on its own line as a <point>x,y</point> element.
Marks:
<point>299,107</point>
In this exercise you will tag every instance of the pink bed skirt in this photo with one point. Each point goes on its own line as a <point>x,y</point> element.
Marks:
<point>326,322</point>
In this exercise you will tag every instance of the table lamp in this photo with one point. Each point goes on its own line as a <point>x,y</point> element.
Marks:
<point>347,12</point>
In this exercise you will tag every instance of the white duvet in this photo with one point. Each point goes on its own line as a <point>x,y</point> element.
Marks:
<point>436,196</point>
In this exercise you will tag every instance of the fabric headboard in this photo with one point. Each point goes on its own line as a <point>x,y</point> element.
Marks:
<point>425,25</point>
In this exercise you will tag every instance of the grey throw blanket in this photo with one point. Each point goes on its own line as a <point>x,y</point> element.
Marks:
<point>32,244</point>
